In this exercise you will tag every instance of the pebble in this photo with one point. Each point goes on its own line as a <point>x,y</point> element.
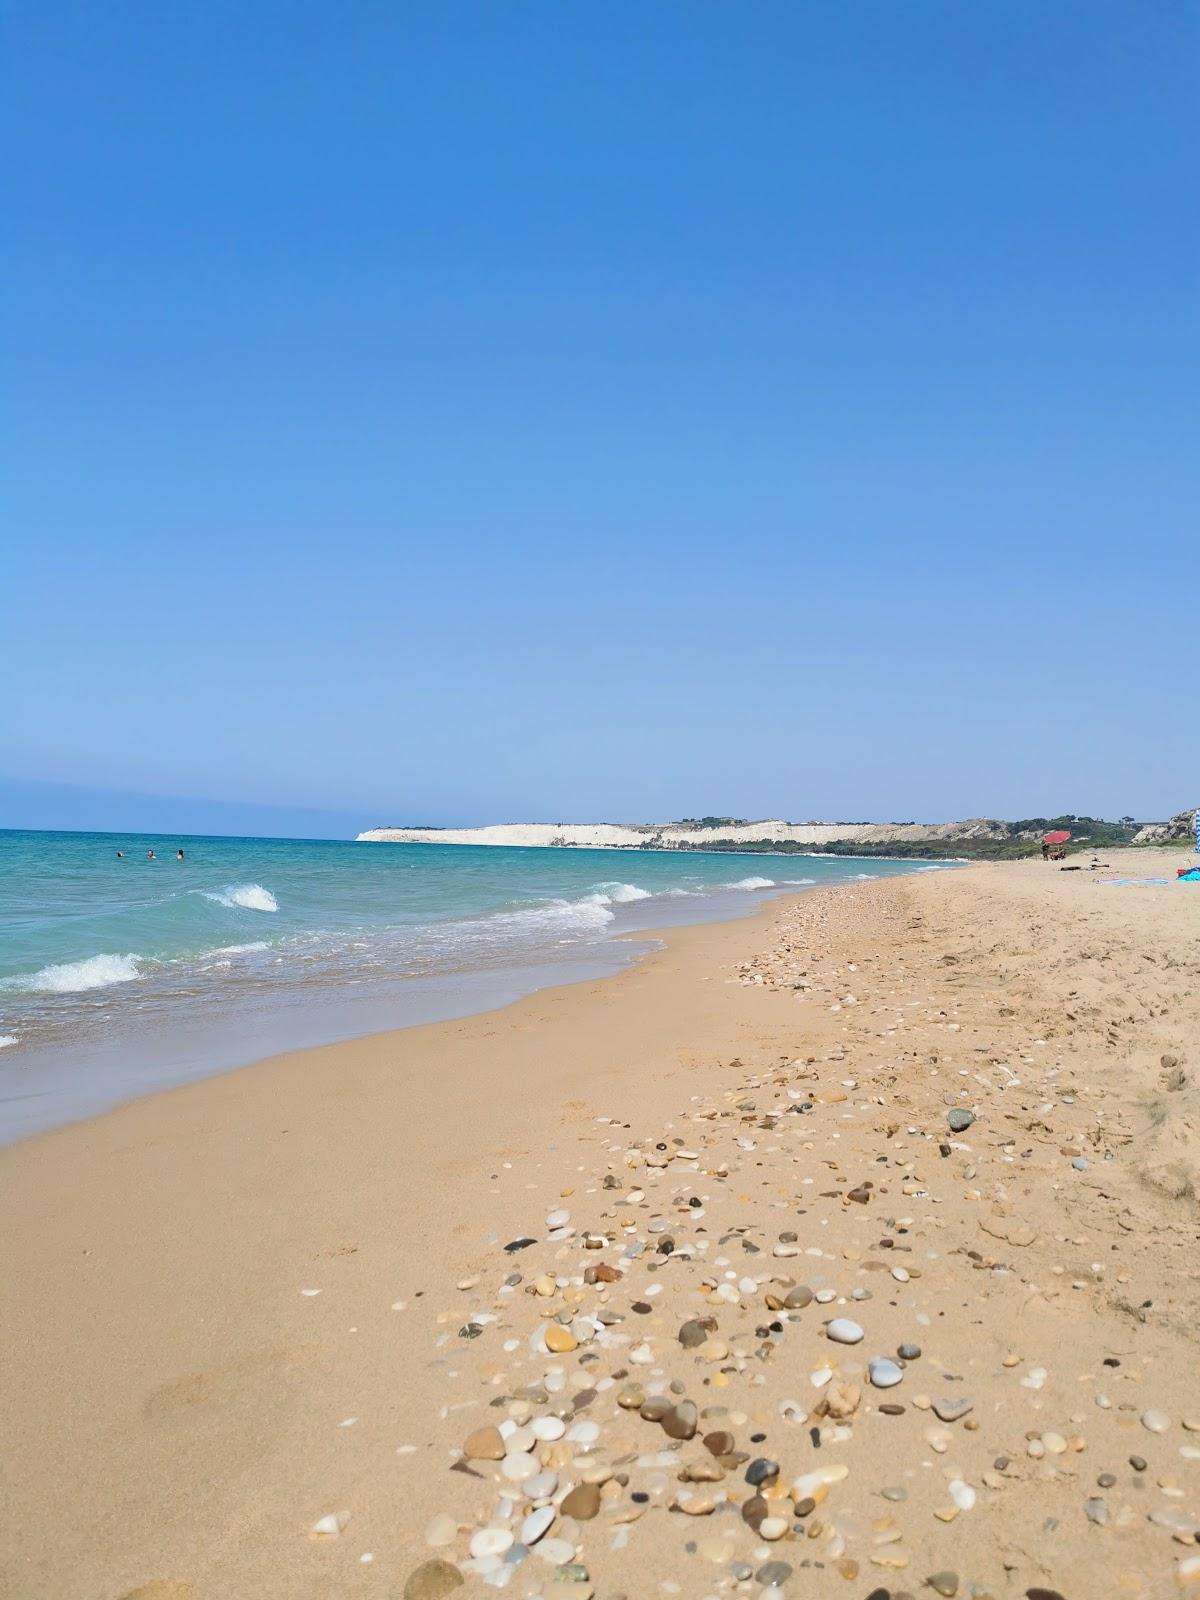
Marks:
<point>485,1444</point>
<point>909,1352</point>
<point>490,1542</point>
<point>842,1331</point>
<point>680,1421</point>
<point>773,1574</point>
<point>1156,1421</point>
<point>692,1334</point>
<point>960,1119</point>
<point>885,1374</point>
<point>441,1530</point>
<point>536,1524</point>
<point>432,1580</point>
<point>952,1410</point>
<point>582,1503</point>
<point>943,1583</point>
<point>772,1528</point>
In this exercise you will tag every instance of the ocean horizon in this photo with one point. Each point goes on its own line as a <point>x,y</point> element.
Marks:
<point>120,974</point>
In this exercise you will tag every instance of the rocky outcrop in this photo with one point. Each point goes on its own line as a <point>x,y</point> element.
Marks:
<point>1180,828</point>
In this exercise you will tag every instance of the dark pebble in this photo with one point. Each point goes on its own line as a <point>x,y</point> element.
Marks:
<point>773,1573</point>
<point>754,1510</point>
<point>518,1244</point>
<point>762,1471</point>
<point>1138,1463</point>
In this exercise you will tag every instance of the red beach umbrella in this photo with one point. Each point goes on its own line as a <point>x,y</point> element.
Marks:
<point>1059,836</point>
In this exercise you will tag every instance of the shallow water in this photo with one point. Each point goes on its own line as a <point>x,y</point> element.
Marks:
<point>119,975</point>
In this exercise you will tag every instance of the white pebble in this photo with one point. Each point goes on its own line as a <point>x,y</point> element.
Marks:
<point>536,1524</point>
<point>490,1542</point>
<point>885,1374</point>
<point>962,1494</point>
<point>842,1331</point>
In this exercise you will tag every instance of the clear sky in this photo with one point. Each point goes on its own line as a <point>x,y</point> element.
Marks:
<point>456,412</point>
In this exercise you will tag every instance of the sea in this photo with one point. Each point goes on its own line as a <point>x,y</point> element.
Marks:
<point>124,969</point>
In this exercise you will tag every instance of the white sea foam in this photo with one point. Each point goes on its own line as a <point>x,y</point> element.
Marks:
<point>865,877</point>
<point>590,912</point>
<point>753,883</point>
<point>71,977</point>
<point>239,949</point>
<point>615,894</point>
<point>6,1039</point>
<point>793,883</point>
<point>250,896</point>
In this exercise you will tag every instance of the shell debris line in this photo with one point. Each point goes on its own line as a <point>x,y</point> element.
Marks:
<point>857,1323</point>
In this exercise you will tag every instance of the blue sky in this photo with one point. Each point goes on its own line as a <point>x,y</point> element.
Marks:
<point>461,412</point>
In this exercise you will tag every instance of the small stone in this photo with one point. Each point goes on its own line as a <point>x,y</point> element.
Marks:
<point>510,1250</point>
<point>952,1410</point>
<point>772,1528</point>
<point>909,1352</point>
<point>720,1443</point>
<point>583,1502</point>
<point>695,1505</point>
<point>754,1510</point>
<point>681,1420</point>
<point>441,1530</point>
<point>1156,1421</point>
<point>796,1299</point>
<point>960,1119</point>
<point>485,1444</point>
<point>1138,1463</point>
<point>1096,1510</point>
<point>885,1374</point>
<point>762,1471</point>
<point>842,1331</point>
<point>692,1333</point>
<point>943,1583</point>
<point>773,1574</point>
<point>559,1339</point>
<point>432,1580</point>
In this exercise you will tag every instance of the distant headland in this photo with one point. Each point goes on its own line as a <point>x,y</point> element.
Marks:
<point>979,837</point>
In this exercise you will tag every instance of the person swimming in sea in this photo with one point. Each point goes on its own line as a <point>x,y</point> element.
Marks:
<point>150,856</point>
<point>179,855</point>
<point>120,855</point>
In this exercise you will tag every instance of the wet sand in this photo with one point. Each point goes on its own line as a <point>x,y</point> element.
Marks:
<point>180,1413</point>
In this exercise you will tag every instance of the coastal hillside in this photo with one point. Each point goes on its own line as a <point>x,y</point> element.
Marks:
<point>979,837</point>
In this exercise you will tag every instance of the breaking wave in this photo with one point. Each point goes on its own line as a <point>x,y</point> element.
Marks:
<point>615,894</point>
<point>753,883</point>
<point>250,896</point>
<point>71,977</point>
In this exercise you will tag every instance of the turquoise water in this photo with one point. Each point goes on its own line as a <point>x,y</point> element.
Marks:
<point>122,974</point>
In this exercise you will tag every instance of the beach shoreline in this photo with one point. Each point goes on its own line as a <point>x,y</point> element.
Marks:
<point>182,1411</point>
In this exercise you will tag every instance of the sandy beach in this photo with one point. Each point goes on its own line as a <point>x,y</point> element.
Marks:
<point>847,1249</point>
